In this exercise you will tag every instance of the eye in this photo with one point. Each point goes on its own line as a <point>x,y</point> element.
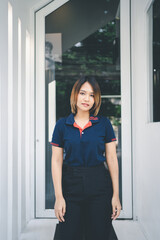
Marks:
<point>92,95</point>
<point>82,93</point>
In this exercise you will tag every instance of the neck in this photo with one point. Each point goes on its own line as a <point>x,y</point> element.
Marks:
<point>82,115</point>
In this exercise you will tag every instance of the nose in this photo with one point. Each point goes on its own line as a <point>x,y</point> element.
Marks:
<point>86,97</point>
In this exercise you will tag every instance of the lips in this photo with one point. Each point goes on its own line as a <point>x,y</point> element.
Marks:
<point>85,104</point>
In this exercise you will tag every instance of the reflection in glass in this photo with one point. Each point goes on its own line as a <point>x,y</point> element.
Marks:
<point>97,54</point>
<point>53,54</point>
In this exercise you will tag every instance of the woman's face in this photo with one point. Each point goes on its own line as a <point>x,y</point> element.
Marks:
<point>85,98</point>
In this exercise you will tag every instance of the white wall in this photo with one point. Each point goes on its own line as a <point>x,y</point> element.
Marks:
<point>146,135</point>
<point>17,130</point>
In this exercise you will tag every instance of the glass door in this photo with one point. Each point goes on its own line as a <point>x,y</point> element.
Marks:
<point>91,45</point>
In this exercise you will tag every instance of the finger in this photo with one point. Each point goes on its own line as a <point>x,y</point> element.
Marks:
<point>118,212</point>
<point>114,213</point>
<point>61,217</point>
<point>63,210</point>
<point>114,210</point>
<point>60,213</point>
<point>114,218</point>
<point>58,216</point>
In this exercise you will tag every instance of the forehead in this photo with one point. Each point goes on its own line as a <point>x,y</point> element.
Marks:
<point>86,87</point>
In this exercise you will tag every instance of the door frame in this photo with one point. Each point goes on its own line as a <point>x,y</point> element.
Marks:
<point>126,110</point>
<point>40,108</point>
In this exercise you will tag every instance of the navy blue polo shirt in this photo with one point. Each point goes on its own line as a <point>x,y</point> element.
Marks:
<point>83,147</point>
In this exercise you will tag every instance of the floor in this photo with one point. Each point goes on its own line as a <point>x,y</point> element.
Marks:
<point>43,229</point>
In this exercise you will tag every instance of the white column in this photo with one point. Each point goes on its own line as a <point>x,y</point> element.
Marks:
<point>10,120</point>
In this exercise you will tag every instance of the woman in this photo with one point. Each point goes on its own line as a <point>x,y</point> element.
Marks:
<point>87,193</point>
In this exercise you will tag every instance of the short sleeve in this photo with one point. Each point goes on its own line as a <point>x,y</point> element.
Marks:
<point>110,135</point>
<point>57,136</point>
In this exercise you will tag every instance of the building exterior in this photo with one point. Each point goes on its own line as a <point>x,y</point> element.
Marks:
<point>24,181</point>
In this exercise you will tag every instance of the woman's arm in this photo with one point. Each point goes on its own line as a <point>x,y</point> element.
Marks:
<point>112,162</point>
<point>56,168</point>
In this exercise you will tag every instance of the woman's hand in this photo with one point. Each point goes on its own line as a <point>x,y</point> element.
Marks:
<point>116,207</point>
<point>60,208</point>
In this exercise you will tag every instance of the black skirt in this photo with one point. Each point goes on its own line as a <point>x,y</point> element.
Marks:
<point>88,193</point>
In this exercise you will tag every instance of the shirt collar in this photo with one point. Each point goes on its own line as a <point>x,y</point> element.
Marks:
<point>70,119</point>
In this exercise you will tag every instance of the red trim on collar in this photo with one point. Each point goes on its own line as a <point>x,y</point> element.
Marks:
<point>93,118</point>
<point>87,125</point>
<point>81,129</point>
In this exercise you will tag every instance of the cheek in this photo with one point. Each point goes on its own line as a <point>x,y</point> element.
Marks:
<point>92,100</point>
<point>79,98</point>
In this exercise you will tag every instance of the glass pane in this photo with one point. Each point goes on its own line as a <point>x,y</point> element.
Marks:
<point>96,54</point>
<point>53,55</point>
<point>156,61</point>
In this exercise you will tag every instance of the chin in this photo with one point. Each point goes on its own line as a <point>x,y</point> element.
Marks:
<point>84,109</point>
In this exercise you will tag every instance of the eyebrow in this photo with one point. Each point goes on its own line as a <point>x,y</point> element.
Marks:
<point>85,91</point>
